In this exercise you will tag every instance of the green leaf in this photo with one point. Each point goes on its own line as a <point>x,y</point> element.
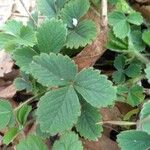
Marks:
<point>75,9</point>
<point>135,95</point>
<point>53,70</point>
<point>10,135</point>
<point>133,71</point>
<point>119,24</point>
<point>135,18</point>
<point>86,124</point>
<point>58,110</point>
<point>24,57</point>
<point>133,140</point>
<point>68,141</point>
<point>118,77</point>
<point>119,62</point>
<point>94,88</point>
<point>22,84</point>
<point>146,37</point>
<point>50,8</point>
<point>22,114</point>
<point>147,71</point>
<point>144,117</point>
<point>6,112</point>
<point>81,35</point>
<point>135,41</point>
<point>32,142</point>
<point>51,36</point>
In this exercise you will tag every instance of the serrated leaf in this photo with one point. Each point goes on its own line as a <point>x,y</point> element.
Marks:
<point>144,117</point>
<point>147,71</point>
<point>50,8</point>
<point>24,57</point>
<point>133,70</point>
<point>119,62</point>
<point>94,88</point>
<point>81,35</point>
<point>135,18</point>
<point>10,135</point>
<point>51,36</point>
<point>53,70</point>
<point>68,141</point>
<point>135,95</point>
<point>58,110</point>
<point>22,114</point>
<point>146,37</point>
<point>119,24</point>
<point>22,84</point>
<point>135,140</point>
<point>6,112</point>
<point>118,77</point>
<point>75,9</point>
<point>30,143</point>
<point>86,124</point>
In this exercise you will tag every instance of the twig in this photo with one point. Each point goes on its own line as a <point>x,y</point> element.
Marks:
<point>28,12</point>
<point>120,123</point>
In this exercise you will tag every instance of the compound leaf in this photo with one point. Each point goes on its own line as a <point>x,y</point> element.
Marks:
<point>53,70</point>
<point>86,124</point>
<point>30,143</point>
<point>94,88</point>
<point>135,140</point>
<point>58,110</point>
<point>68,141</point>
<point>51,36</point>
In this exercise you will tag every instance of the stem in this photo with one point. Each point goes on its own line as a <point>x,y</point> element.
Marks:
<point>104,9</point>
<point>28,12</point>
<point>121,123</point>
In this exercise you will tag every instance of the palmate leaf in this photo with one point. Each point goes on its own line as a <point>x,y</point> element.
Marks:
<point>58,110</point>
<point>75,9</point>
<point>94,88</point>
<point>53,70</point>
<point>81,35</point>
<point>86,124</point>
<point>133,140</point>
<point>24,57</point>
<point>32,142</point>
<point>144,117</point>
<point>6,113</point>
<point>68,141</point>
<point>51,36</point>
<point>50,8</point>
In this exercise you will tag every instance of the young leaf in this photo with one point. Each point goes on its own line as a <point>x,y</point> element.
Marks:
<point>75,9</point>
<point>119,77</point>
<point>68,141</point>
<point>81,35</point>
<point>51,36</point>
<point>22,114</point>
<point>94,87</point>
<point>146,37</point>
<point>135,95</point>
<point>58,110</point>
<point>24,57</point>
<point>119,23</point>
<point>53,70</point>
<point>86,124</point>
<point>6,112</point>
<point>144,115</point>
<point>135,140</point>
<point>119,62</point>
<point>10,135</point>
<point>135,18</point>
<point>32,142</point>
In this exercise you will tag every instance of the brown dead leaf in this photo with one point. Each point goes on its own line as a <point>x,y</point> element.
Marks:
<point>7,91</point>
<point>104,143</point>
<point>6,63</point>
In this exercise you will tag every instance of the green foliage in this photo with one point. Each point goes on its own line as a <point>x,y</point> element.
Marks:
<point>6,114</point>
<point>135,140</point>
<point>147,71</point>
<point>146,37</point>
<point>30,143</point>
<point>68,141</point>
